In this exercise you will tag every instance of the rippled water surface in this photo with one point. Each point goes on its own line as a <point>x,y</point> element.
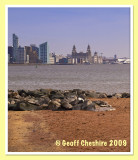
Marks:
<point>103,78</point>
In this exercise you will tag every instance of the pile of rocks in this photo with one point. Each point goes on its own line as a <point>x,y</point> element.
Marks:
<point>48,99</point>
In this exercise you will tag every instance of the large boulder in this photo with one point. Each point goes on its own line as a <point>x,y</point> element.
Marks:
<point>88,105</point>
<point>22,93</point>
<point>25,106</point>
<point>91,94</point>
<point>11,106</point>
<point>43,100</point>
<point>109,96</point>
<point>45,91</point>
<point>33,101</point>
<point>71,98</point>
<point>43,107</point>
<point>54,105</point>
<point>65,105</point>
<point>102,106</point>
<point>125,95</point>
<point>102,95</point>
<point>117,95</point>
<point>12,94</point>
<point>56,96</point>
<point>35,93</point>
<point>77,91</point>
<point>77,107</point>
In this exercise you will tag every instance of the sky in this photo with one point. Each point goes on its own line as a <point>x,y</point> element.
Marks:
<point>106,30</point>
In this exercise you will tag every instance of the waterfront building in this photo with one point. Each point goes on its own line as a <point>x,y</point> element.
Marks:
<point>51,58</point>
<point>97,59</point>
<point>34,48</point>
<point>63,61</point>
<point>100,60</point>
<point>44,53</point>
<point>69,60</point>
<point>33,57</point>
<point>85,58</point>
<point>10,53</point>
<point>15,47</point>
<point>21,55</point>
<point>58,57</point>
<point>81,57</point>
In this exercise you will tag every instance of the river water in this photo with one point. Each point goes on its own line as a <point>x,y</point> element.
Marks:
<point>103,78</point>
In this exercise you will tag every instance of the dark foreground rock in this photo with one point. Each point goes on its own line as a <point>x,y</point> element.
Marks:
<point>57,100</point>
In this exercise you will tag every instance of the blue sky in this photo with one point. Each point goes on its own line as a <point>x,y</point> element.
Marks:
<point>106,30</point>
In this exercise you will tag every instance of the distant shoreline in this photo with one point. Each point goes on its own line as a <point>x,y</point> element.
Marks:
<point>40,64</point>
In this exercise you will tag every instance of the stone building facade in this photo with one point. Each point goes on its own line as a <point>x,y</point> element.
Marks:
<point>85,58</point>
<point>81,57</point>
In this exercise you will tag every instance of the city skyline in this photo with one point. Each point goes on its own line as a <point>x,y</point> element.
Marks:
<point>107,30</point>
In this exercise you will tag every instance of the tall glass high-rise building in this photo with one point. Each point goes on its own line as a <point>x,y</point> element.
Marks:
<point>15,47</point>
<point>44,52</point>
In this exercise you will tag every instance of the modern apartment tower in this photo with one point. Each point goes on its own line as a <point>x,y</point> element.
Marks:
<point>15,47</point>
<point>44,53</point>
<point>21,55</point>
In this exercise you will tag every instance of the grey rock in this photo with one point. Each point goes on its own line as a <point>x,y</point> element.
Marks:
<point>77,91</point>
<point>43,100</point>
<point>117,95</point>
<point>17,97</point>
<point>66,105</point>
<point>54,105</point>
<point>12,102</point>
<point>92,94</point>
<point>71,98</point>
<point>22,93</point>
<point>77,107</point>
<point>109,96</point>
<point>24,106</point>
<point>12,106</point>
<point>102,95</point>
<point>125,95</point>
<point>32,101</point>
<point>88,105</point>
<point>12,94</point>
<point>35,93</point>
<point>100,102</point>
<point>45,91</point>
<point>104,108</point>
<point>43,107</point>
<point>75,102</point>
<point>56,96</point>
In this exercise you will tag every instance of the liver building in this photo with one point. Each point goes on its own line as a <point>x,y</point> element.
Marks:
<point>82,58</point>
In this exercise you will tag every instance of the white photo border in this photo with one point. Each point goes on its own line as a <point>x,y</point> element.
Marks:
<point>131,80</point>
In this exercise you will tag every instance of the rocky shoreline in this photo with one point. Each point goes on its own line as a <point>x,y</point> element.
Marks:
<point>58,100</point>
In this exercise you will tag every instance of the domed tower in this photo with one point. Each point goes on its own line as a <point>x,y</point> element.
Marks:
<point>89,56</point>
<point>89,49</point>
<point>74,50</point>
<point>74,55</point>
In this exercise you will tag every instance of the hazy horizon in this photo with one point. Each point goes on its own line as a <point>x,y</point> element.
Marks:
<point>106,30</point>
